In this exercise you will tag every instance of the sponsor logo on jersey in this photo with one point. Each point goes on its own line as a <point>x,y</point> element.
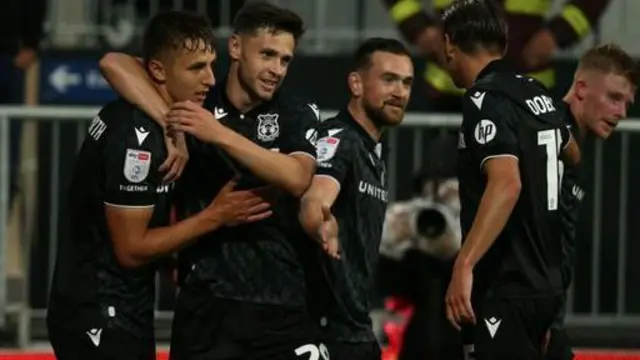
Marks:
<point>485,131</point>
<point>372,190</point>
<point>577,192</point>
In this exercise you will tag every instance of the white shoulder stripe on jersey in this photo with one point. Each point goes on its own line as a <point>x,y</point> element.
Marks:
<point>330,177</point>
<point>129,206</point>
<point>496,156</point>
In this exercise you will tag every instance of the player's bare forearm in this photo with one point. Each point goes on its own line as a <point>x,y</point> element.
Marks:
<point>500,197</point>
<point>311,215</point>
<point>127,77</point>
<point>291,173</point>
<point>163,241</point>
<point>571,153</point>
<point>321,194</point>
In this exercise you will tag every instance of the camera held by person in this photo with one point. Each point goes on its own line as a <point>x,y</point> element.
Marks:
<point>428,222</point>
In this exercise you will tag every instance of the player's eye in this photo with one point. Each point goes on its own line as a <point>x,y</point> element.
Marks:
<point>267,54</point>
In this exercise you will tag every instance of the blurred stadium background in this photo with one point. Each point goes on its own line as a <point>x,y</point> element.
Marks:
<point>47,106</point>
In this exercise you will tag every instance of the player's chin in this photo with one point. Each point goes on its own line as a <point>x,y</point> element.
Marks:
<point>604,130</point>
<point>393,115</point>
<point>265,91</point>
<point>265,95</point>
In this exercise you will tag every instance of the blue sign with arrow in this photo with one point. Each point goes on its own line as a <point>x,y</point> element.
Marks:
<point>73,81</point>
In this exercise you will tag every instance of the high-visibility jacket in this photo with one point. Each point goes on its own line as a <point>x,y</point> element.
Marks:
<point>524,18</point>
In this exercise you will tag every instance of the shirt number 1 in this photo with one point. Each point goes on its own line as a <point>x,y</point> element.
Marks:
<point>550,140</point>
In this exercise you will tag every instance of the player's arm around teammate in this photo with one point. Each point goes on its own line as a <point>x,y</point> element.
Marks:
<point>125,65</point>
<point>291,172</point>
<point>130,194</point>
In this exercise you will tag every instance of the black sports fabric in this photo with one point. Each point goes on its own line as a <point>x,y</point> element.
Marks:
<point>351,157</point>
<point>571,197</point>
<point>256,262</point>
<point>99,344</point>
<point>117,165</point>
<point>506,114</point>
<point>512,328</point>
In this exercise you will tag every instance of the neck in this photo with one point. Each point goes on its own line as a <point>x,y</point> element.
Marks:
<point>162,90</point>
<point>236,93</point>
<point>475,64</point>
<point>576,110</point>
<point>360,115</point>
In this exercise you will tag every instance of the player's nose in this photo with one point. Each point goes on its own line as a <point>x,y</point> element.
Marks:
<point>210,78</point>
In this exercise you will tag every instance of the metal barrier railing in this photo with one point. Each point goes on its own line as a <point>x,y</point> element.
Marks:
<point>58,116</point>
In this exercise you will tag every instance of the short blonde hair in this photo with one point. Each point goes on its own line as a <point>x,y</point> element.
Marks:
<point>610,59</point>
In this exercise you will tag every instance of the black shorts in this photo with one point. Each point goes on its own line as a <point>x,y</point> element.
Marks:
<point>210,328</point>
<point>508,329</point>
<point>559,347</point>
<point>340,350</point>
<point>108,343</point>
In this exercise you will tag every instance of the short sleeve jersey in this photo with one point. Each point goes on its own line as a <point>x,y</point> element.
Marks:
<point>509,115</point>
<point>256,262</point>
<point>349,155</point>
<point>116,166</point>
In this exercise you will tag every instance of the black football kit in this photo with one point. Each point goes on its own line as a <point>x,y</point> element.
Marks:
<point>571,197</point>
<point>99,309</point>
<point>242,288</point>
<point>517,283</point>
<point>353,159</point>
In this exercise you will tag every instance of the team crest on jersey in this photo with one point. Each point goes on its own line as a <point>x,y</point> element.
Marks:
<point>136,165</point>
<point>268,128</point>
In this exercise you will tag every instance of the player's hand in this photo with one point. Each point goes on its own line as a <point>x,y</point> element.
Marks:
<point>458,299</point>
<point>540,49</point>
<point>233,207</point>
<point>191,118</point>
<point>328,233</point>
<point>177,156</point>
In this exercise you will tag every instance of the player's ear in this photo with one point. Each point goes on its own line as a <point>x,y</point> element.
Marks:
<point>581,89</point>
<point>157,71</point>
<point>448,48</point>
<point>234,46</point>
<point>355,83</point>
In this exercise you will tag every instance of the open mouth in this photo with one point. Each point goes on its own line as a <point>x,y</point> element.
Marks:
<point>270,84</point>
<point>611,123</point>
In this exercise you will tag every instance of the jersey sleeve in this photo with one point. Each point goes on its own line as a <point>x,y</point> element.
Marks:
<point>487,128</point>
<point>131,168</point>
<point>302,131</point>
<point>335,152</point>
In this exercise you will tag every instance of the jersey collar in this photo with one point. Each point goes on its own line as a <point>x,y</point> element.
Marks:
<point>220,102</point>
<point>494,66</point>
<point>570,120</point>
<point>347,118</point>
